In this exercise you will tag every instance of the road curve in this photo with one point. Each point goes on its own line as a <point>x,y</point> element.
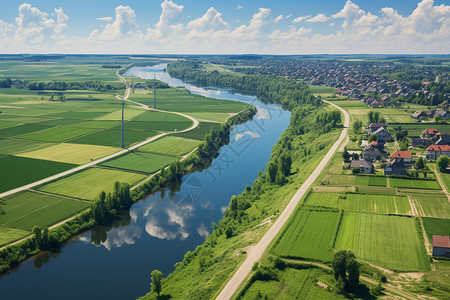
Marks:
<point>256,252</point>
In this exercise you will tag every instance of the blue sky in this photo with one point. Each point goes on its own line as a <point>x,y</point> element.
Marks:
<point>223,27</point>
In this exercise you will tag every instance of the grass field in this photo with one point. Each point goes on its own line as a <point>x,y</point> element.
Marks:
<point>80,115</point>
<point>158,125</point>
<point>431,205</point>
<point>200,132</point>
<point>444,176</point>
<point>140,161</point>
<point>212,117</point>
<point>388,241</point>
<point>383,204</point>
<point>111,137</point>
<point>71,153</point>
<point>9,235</point>
<point>28,209</point>
<point>171,145</point>
<point>57,134</point>
<point>321,90</point>
<point>352,180</point>
<point>21,129</point>
<point>18,171</point>
<point>129,113</point>
<point>4,124</point>
<point>97,124</point>
<point>15,146</point>
<point>414,184</point>
<point>88,184</point>
<point>309,234</point>
<point>436,227</point>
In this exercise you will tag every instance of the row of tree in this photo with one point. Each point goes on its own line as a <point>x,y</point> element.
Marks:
<point>93,85</point>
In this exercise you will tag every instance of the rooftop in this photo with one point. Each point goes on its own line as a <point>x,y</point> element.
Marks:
<point>401,154</point>
<point>442,241</point>
<point>439,148</point>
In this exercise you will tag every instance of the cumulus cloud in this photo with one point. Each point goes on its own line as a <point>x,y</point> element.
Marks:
<point>255,28</point>
<point>105,19</point>
<point>125,21</point>
<point>167,21</point>
<point>211,20</point>
<point>318,18</point>
<point>301,19</point>
<point>239,6</point>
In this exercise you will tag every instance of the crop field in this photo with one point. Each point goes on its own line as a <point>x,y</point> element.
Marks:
<point>431,205</point>
<point>212,117</point>
<point>80,115</point>
<point>97,124</point>
<point>382,204</point>
<point>436,227</point>
<point>15,146</point>
<point>21,129</point>
<point>60,122</point>
<point>140,161</point>
<point>351,180</point>
<point>321,90</point>
<point>112,136</point>
<point>416,129</point>
<point>309,234</point>
<point>29,209</point>
<point>200,132</point>
<point>414,184</point>
<point>388,241</point>
<point>171,145</point>
<point>71,153</point>
<point>444,176</point>
<point>9,235</point>
<point>57,134</point>
<point>346,104</point>
<point>4,124</point>
<point>18,171</point>
<point>159,125</point>
<point>129,113</point>
<point>88,184</point>
<point>157,116</point>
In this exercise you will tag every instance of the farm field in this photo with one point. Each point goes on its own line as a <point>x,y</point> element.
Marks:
<point>212,117</point>
<point>21,129</point>
<point>158,125</point>
<point>112,136</point>
<point>171,145</point>
<point>97,124</point>
<point>416,129</point>
<point>351,180</point>
<point>382,240</point>
<point>15,146</point>
<point>57,134</point>
<point>309,234</point>
<point>129,113</point>
<point>88,184</point>
<point>383,204</point>
<point>140,161</point>
<point>18,171</point>
<point>436,227</point>
<point>71,153</point>
<point>9,235</point>
<point>415,184</point>
<point>28,209</point>
<point>431,205</point>
<point>77,115</point>
<point>444,177</point>
<point>200,132</point>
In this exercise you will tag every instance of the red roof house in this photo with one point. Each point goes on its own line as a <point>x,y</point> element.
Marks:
<point>434,151</point>
<point>441,245</point>
<point>405,155</point>
<point>429,133</point>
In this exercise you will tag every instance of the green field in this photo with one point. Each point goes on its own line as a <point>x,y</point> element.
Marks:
<point>352,180</point>
<point>9,235</point>
<point>383,204</point>
<point>159,125</point>
<point>129,113</point>
<point>140,161</point>
<point>444,176</point>
<point>21,129</point>
<point>15,146</point>
<point>97,124</point>
<point>200,132</point>
<point>388,241</point>
<point>112,136</point>
<point>212,117</point>
<point>71,153</point>
<point>416,129</point>
<point>431,205</point>
<point>309,234</point>
<point>88,184</point>
<point>171,145</point>
<point>4,124</point>
<point>18,171</point>
<point>57,134</point>
<point>29,209</point>
<point>436,227</point>
<point>79,115</point>
<point>414,184</point>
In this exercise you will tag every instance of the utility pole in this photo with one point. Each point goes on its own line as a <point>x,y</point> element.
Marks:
<point>123,104</point>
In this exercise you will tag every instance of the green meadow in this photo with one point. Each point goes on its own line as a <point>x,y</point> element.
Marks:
<point>140,161</point>
<point>171,145</point>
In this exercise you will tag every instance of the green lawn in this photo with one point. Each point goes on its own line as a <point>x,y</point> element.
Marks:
<point>9,235</point>
<point>414,184</point>
<point>388,241</point>
<point>57,134</point>
<point>171,145</point>
<point>29,209</point>
<point>88,184</point>
<point>309,234</point>
<point>140,161</point>
<point>18,171</point>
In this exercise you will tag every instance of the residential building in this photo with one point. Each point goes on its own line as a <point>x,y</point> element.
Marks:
<point>406,156</point>
<point>395,167</point>
<point>444,139</point>
<point>375,126</point>
<point>416,142</point>
<point>429,133</point>
<point>383,135</point>
<point>441,245</point>
<point>434,151</point>
<point>371,153</point>
<point>363,165</point>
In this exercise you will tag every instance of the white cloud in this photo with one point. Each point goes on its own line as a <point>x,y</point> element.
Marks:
<point>167,21</point>
<point>318,18</point>
<point>301,19</point>
<point>239,6</point>
<point>255,28</point>
<point>211,20</point>
<point>105,19</point>
<point>125,21</point>
<point>279,18</point>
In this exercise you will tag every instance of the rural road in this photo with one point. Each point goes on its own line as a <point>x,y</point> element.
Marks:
<point>98,161</point>
<point>256,252</point>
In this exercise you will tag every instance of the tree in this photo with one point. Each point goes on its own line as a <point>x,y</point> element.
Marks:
<point>442,163</point>
<point>357,125</point>
<point>339,264</point>
<point>156,283</point>
<point>344,262</point>
<point>420,164</point>
<point>272,171</point>
<point>286,163</point>
<point>353,273</point>
<point>37,234</point>
<point>356,170</point>
<point>355,156</point>
<point>346,156</point>
<point>437,118</point>
<point>373,138</point>
<point>370,115</point>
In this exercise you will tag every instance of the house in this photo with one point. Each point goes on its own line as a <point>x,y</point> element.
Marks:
<point>375,126</point>
<point>395,167</point>
<point>364,166</point>
<point>419,115</point>
<point>442,113</point>
<point>379,146</point>
<point>416,142</point>
<point>434,151</point>
<point>375,104</point>
<point>406,156</point>
<point>429,133</point>
<point>441,245</point>
<point>371,153</point>
<point>383,135</point>
<point>444,139</point>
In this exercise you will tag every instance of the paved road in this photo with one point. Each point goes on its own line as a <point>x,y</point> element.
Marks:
<point>98,161</point>
<point>255,253</point>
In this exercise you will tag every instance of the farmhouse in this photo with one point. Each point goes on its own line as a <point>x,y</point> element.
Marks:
<point>415,142</point>
<point>434,151</point>
<point>406,156</point>
<point>444,139</point>
<point>371,153</point>
<point>429,133</point>
<point>383,135</point>
<point>364,166</point>
<point>419,114</point>
<point>375,126</point>
<point>441,245</point>
<point>395,167</point>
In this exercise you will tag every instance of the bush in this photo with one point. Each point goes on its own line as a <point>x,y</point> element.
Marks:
<point>356,170</point>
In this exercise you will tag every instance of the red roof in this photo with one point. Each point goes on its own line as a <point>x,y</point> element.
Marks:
<point>401,154</point>
<point>375,143</point>
<point>430,131</point>
<point>442,241</point>
<point>439,148</point>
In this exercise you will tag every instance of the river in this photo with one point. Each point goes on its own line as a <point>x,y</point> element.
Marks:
<point>115,262</point>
